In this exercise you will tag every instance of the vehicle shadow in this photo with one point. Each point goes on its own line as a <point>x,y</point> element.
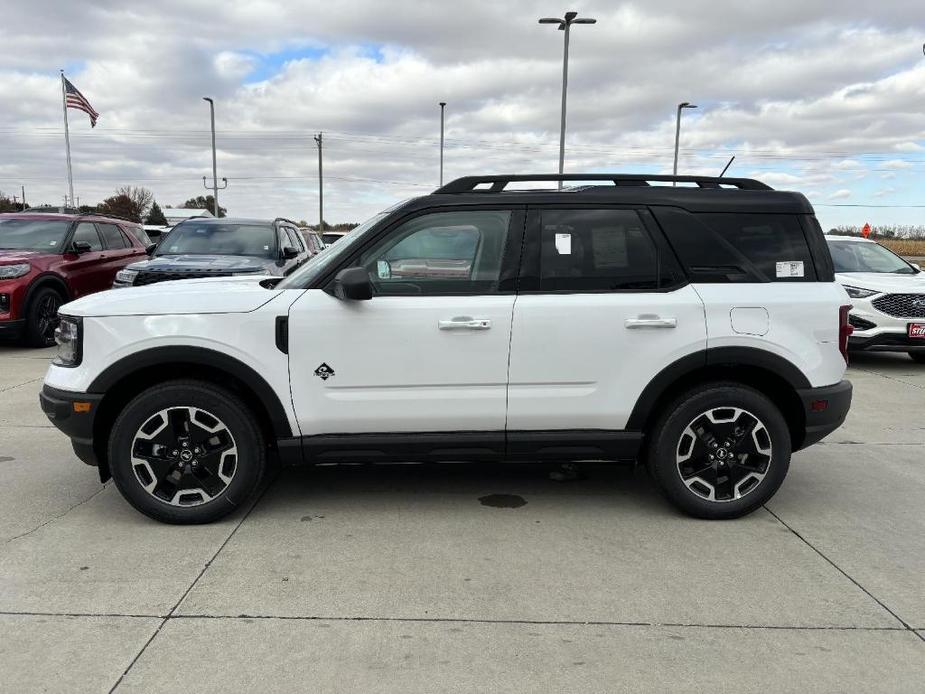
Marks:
<point>885,362</point>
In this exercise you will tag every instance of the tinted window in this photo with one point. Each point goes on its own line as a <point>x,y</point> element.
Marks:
<point>198,238</point>
<point>294,239</point>
<point>597,250</point>
<point>32,234</point>
<point>857,256</point>
<point>112,236</point>
<point>86,233</point>
<point>773,243</point>
<point>440,253</point>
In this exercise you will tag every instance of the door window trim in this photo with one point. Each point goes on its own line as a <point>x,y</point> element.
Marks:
<point>510,259</point>
<point>529,276</point>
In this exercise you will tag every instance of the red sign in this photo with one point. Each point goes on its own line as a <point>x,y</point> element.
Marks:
<point>917,330</point>
<point>865,232</point>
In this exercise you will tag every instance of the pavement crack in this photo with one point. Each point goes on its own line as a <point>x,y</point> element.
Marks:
<point>58,517</point>
<point>171,615</point>
<point>844,573</point>
<point>20,385</point>
<point>891,378</point>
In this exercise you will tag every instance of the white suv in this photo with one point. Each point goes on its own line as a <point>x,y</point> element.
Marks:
<point>887,297</point>
<point>697,328</point>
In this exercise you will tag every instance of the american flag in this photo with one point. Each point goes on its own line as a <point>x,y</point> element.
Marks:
<point>74,99</point>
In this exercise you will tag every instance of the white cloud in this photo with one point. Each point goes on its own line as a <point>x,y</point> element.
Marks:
<point>840,194</point>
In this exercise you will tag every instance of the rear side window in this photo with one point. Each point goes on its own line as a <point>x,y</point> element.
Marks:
<point>294,239</point>
<point>737,247</point>
<point>598,250</point>
<point>773,243</point>
<point>112,236</point>
<point>86,233</point>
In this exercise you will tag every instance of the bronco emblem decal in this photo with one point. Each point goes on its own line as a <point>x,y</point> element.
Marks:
<point>324,372</point>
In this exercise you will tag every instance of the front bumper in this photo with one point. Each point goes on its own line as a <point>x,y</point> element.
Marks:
<point>877,331</point>
<point>824,410</point>
<point>12,329</point>
<point>73,413</point>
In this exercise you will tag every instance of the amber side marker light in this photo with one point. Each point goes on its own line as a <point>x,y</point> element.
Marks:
<point>81,407</point>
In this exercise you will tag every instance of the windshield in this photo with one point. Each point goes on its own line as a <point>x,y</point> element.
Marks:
<point>855,256</point>
<point>196,238</point>
<point>32,234</point>
<point>318,264</point>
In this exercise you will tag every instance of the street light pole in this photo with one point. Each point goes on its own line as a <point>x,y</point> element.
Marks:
<point>677,135</point>
<point>214,160</point>
<point>564,25</point>
<point>442,110</point>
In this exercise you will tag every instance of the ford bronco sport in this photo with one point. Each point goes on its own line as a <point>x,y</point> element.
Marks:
<point>697,328</point>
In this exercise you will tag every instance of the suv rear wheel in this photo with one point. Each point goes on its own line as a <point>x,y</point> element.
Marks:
<point>42,317</point>
<point>720,451</point>
<point>186,452</point>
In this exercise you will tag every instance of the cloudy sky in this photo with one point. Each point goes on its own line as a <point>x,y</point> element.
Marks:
<point>826,98</point>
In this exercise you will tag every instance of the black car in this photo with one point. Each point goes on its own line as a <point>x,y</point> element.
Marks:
<point>207,247</point>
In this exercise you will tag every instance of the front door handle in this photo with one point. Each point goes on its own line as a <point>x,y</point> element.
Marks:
<point>464,323</point>
<point>649,320</point>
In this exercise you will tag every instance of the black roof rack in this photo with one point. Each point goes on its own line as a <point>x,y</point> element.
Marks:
<point>107,214</point>
<point>284,219</point>
<point>469,184</point>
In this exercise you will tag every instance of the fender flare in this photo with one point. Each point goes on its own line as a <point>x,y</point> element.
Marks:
<point>198,356</point>
<point>716,356</point>
<point>47,279</point>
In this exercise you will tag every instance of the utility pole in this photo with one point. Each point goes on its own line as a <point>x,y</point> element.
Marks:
<point>677,135</point>
<point>442,109</point>
<point>565,24</point>
<point>214,187</point>
<point>23,188</point>
<point>318,141</point>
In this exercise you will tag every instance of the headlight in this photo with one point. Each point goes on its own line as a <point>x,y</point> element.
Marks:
<point>858,293</point>
<point>126,276</point>
<point>68,335</point>
<point>8,272</point>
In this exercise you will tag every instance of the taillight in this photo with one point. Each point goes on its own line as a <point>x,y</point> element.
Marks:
<point>844,330</point>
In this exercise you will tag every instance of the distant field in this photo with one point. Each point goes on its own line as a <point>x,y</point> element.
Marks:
<point>909,247</point>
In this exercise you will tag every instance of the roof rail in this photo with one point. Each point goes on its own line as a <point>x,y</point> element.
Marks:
<point>284,219</point>
<point>107,214</point>
<point>468,184</point>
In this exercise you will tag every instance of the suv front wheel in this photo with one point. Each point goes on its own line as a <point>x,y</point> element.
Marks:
<point>720,451</point>
<point>186,452</point>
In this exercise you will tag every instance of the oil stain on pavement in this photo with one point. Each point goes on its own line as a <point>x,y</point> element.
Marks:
<point>503,501</point>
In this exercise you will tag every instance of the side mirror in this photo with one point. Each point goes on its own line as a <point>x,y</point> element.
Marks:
<point>81,247</point>
<point>916,266</point>
<point>289,252</point>
<point>150,248</point>
<point>352,284</point>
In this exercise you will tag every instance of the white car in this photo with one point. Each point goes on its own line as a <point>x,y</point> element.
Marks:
<point>887,296</point>
<point>699,329</point>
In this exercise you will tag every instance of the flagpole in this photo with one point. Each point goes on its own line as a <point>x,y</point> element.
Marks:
<point>67,141</point>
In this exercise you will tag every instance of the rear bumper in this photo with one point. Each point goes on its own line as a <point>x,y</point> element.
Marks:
<point>824,409</point>
<point>73,413</point>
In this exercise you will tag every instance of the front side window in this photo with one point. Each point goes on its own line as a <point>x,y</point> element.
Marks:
<point>294,239</point>
<point>86,233</point>
<point>32,235</point>
<point>598,250</point>
<point>440,253</point>
<point>198,238</point>
<point>857,256</point>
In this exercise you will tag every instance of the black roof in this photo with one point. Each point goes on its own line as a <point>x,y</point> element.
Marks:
<point>699,194</point>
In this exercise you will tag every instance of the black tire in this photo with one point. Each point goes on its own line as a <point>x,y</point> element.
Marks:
<point>737,488</point>
<point>239,445</point>
<point>42,317</point>
<point>918,357</point>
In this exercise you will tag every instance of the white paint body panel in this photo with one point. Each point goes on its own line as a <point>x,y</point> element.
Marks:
<point>576,365</point>
<point>802,324</point>
<point>394,369</point>
<point>882,283</point>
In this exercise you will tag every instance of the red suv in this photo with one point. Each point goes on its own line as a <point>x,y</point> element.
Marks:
<point>49,259</point>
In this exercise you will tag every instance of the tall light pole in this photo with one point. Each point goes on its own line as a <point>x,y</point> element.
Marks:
<point>215,187</point>
<point>442,110</point>
<point>677,135</point>
<point>564,25</point>
<point>319,141</point>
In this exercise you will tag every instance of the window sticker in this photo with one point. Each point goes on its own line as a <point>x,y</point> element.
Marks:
<point>564,244</point>
<point>790,268</point>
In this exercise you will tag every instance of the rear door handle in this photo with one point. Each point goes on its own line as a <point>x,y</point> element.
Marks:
<point>650,321</point>
<point>464,323</point>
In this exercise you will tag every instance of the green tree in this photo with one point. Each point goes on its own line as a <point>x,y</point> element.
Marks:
<point>130,202</point>
<point>156,215</point>
<point>204,202</point>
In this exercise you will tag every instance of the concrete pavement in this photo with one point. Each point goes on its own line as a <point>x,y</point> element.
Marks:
<point>400,579</point>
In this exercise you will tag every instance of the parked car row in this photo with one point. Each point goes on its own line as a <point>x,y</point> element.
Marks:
<point>48,259</point>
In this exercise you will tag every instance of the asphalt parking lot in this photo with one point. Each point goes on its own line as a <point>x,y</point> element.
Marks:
<point>405,578</point>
